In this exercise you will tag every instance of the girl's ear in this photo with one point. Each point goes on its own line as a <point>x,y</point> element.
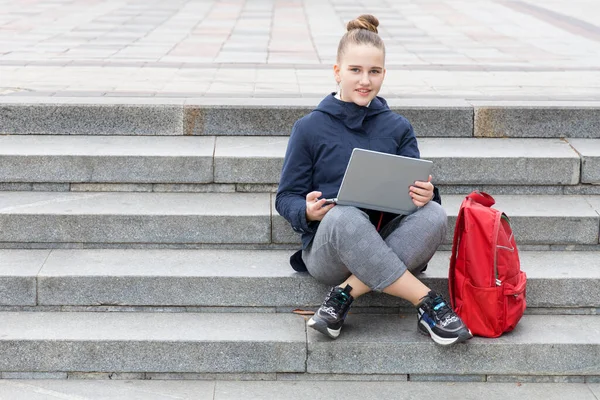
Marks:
<point>336,73</point>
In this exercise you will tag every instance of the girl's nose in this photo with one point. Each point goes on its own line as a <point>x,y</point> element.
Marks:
<point>364,79</point>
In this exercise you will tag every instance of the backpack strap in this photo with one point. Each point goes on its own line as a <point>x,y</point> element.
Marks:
<point>460,223</point>
<point>482,198</point>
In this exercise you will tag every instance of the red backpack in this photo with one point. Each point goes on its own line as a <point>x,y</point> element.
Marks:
<point>485,281</point>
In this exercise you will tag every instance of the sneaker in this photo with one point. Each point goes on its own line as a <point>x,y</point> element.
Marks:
<point>330,317</point>
<point>438,320</point>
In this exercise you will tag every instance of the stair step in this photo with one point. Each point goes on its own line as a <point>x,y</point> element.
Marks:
<point>152,342</point>
<point>388,344</point>
<point>243,218</point>
<point>246,278</point>
<point>276,116</point>
<point>266,343</point>
<point>589,149</point>
<point>135,217</point>
<point>457,161</point>
<point>535,219</point>
<point>211,116</point>
<point>251,160</point>
<point>106,159</point>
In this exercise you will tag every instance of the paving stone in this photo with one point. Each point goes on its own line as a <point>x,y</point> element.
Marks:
<point>589,149</point>
<point>391,344</point>
<point>398,390</point>
<point>140,342</point>
<point>537,120</point>
<point>18,271</point>
<point>134,217</point>
<point>91,119</point>
<point>130,390</point>
<point>106,159</point>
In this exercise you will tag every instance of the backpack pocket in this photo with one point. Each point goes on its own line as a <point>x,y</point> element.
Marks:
<point>482,309</point>
<point>514,300</point>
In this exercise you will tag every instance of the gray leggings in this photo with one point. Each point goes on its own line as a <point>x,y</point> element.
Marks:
<point>347,243</point>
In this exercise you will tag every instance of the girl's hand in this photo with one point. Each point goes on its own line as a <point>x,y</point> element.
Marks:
<point>315,209</point>
<point>421,192</point>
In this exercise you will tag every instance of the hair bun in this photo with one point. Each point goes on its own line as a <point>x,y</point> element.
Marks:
<point>365,21</point>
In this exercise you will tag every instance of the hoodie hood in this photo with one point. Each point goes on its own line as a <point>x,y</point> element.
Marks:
<point>351,114</point>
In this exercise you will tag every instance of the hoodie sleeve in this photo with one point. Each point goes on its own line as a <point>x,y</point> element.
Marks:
<point>296,181</point>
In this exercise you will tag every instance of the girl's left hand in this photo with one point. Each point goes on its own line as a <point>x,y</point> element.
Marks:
<point>421,192</point>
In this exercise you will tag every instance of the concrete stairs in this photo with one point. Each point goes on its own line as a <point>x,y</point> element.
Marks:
<point>141,238</point>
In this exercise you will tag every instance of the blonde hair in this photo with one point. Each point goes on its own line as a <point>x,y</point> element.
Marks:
<point>362,30</point>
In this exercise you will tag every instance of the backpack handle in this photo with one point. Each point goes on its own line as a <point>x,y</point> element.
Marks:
<point>482,198</point>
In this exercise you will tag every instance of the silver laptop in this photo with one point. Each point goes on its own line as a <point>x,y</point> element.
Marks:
<point>381,181</point>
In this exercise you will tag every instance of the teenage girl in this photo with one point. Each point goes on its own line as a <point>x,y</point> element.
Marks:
<point>359,250</point>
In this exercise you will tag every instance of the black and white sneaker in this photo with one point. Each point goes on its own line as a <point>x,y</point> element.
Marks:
<point>330,317</point>
<point>438,320</point>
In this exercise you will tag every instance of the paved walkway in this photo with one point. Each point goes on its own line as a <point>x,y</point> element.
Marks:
<point>222,390</point>
<point>467,49</point>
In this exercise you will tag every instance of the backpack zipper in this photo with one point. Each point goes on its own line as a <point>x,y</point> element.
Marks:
<point>502,217</point>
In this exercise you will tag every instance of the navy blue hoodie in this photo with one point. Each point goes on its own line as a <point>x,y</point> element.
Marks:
<point>320,147</point>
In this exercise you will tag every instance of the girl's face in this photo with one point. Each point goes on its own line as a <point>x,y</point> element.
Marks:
<point>360,73</point>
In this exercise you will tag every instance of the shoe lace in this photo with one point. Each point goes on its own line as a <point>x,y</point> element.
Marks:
<point>336,300</point>
<point>442,311</point>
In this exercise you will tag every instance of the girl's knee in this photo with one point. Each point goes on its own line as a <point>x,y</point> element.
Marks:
<point>436,215</point>
<point>348,219</point>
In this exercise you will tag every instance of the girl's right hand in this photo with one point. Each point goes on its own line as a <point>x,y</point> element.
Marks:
<point>315,208</point>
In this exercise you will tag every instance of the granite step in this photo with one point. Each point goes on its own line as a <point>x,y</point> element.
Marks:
<point>48,219</point>
<point>259,280</point>
<point>389,344</point>
<point>457,161</point>
<point>258,160</point>
<point>266,343</point>
<point>276,116</point>
<point>152,342</point>
<point>561,220</point>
